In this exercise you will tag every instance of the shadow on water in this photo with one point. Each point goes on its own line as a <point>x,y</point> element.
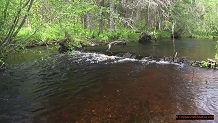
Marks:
<point>91,87</point>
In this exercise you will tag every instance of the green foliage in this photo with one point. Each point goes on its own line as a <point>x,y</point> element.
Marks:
<point>50,19</point>
<point>91,34</point>
<point>195,18</point>
<point>202,33</point>
<point>132,36</point>
<point>194,64</point>
<point>161,34</point>
<point>104,36</point>
<point>44,34</point>
<point>119,34</point>
<point>204,63</point>
<point>216,55</point>
<point>52,32</point>
<point>72,45</point>
<point>1,60</point>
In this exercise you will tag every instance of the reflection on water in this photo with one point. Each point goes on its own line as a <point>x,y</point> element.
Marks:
<point>90,87</point>
<point>191,49</point>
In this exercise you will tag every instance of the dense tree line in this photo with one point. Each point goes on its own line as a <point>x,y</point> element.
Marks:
<point>27,21</point>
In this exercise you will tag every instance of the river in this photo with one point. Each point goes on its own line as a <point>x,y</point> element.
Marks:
<point>42,86</point>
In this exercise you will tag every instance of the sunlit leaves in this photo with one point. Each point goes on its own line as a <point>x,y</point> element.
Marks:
<point>216,55</point>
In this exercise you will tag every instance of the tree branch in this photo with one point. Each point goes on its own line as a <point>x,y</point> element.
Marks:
<point>5,11</point>
<point>11,35</point>
<point>23,21</point>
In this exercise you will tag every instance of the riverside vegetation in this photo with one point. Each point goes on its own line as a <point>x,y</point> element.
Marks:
<point>81,23</point>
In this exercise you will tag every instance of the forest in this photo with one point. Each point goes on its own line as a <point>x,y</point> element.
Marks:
<point>26,22</point>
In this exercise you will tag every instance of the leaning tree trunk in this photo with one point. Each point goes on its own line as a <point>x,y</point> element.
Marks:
<point>15,28</point>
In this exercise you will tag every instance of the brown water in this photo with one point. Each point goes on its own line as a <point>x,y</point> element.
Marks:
<point>96,88</point>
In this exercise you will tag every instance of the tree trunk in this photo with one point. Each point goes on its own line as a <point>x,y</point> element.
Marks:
<point>174,45</point>
<point>24,20</point>
<point>138,14</point>
<point>173,25</point>
<point>89,21</point>
<point>5,12</point>
<point>159,20</point>
<point>101,23</point>
<point>111,15</point>
<point>147,19</point>
<point>84,21</point>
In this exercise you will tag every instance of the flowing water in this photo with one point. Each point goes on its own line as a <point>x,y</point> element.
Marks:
<point>89,87</point>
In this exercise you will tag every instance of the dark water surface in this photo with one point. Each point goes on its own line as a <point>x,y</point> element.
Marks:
<point>191,49</point>
<point>96,88</point>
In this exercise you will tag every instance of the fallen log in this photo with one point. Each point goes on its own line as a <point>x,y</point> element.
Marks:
<point>123,42</point>
<point>42,44</point>
<point>209,63</point>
